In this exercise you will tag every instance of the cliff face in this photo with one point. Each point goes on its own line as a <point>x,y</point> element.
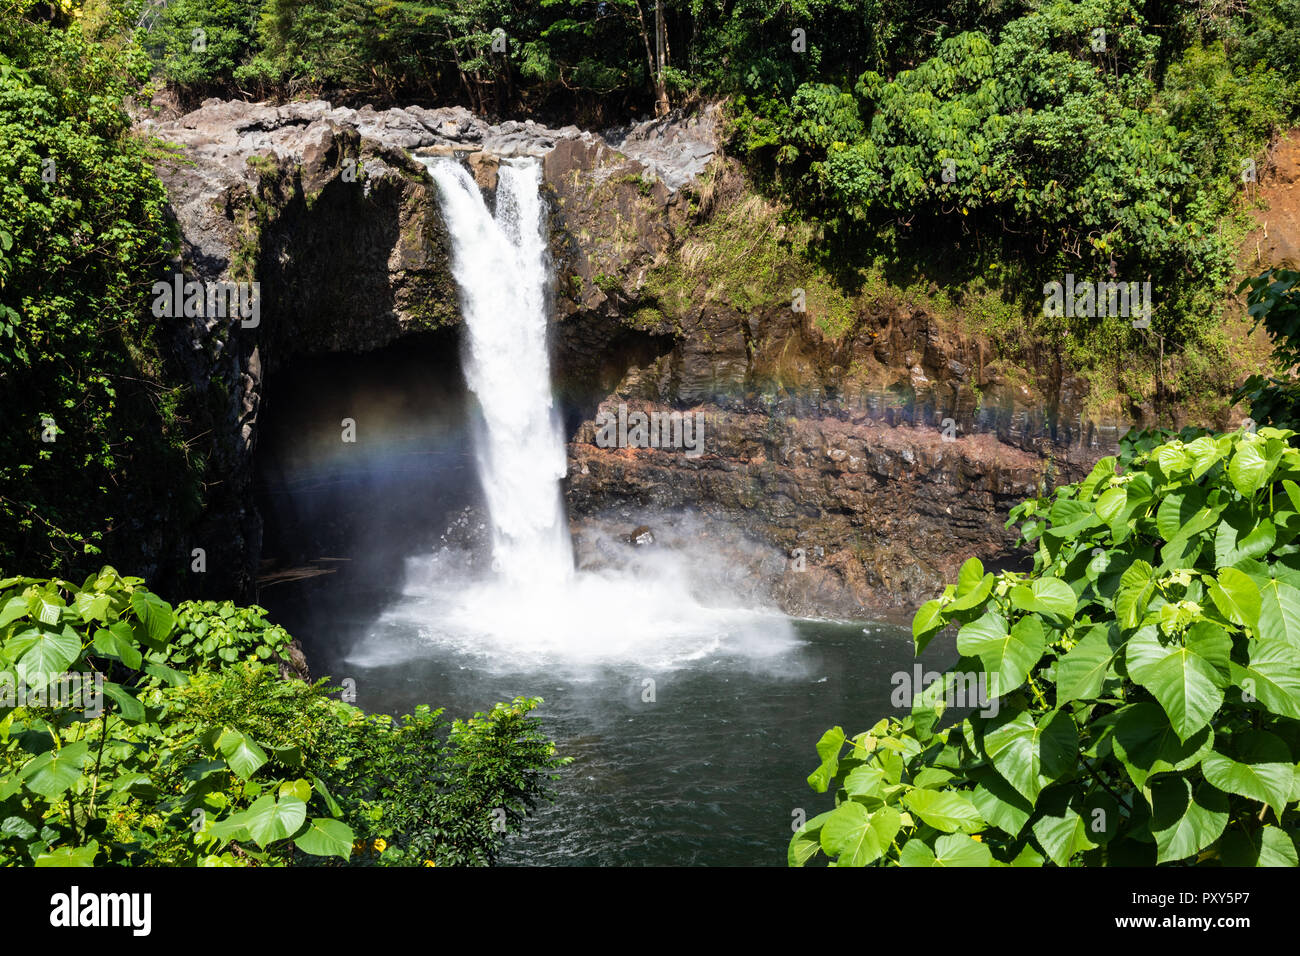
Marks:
<point>866,443</point>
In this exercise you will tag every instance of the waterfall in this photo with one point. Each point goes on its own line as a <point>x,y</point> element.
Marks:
<point>636,607</point>
<point>500,265</point>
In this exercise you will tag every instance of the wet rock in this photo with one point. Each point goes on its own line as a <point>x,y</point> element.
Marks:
<point>483,166</point>
<point>639,537</point>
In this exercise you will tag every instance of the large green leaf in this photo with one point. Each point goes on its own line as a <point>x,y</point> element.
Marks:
<point>1046,596</point>
<point>330,803</point>
<point>1253,764</point>
<point>54,772</point>
<point>1267,846</point>
<point>242,754</point>
<point>1178,510</point>
<point>927,622</point>
<point>1147,745</point>
<point>326,837</point>
<point>946,810</point>
<point>1240,535</point>
<point>1081,674</point>
<point>1060,830</point>
<point>118,641</point>
<point>1237,597</point>
<point>48,656</point>
<point>970,576</point>
<point>828,748</point>
<point>856,836</point>
<point>806,841</point>
<point>75,856</point>
<point>128,707</point>
<point>975,598</point>
<point>154,613</point>
<point>865,780</point>
<point>1279,614</point>
<point>1212,644</point>
<point>1000,804</point>
<point>1007,655</point>
<point>1029,756</point>
<point>1272,676</point>
<point>1136,586</point>
<point>269,819</point>
<point>14,608</point>
<point>1249,469</point>
<point>1205,452</point>
<point>1110,506</point>
<point>166,674</point>
<point>1183,683</point>
<point>46,606</point>
<point>1182,823</point>
<point>951,849</point>
<point>93,606</point>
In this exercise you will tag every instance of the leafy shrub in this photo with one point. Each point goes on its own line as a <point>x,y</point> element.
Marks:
<point>211,634</point>
<point>1147,672</point>
<point>142,782</point>
<point>226,765</point>
<point>203,42</point>
<point>447,794</point>
<point>1270,34</point>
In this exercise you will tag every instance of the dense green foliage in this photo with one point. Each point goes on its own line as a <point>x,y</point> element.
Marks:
<point>90,444</point>
<point>190,755</point>
<point>548,55</point>
<point>1058,143</point>
<point>1147,672</point>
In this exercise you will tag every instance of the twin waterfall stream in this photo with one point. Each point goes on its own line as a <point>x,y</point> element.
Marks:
<point>500,265</point>
<point>534,606</point>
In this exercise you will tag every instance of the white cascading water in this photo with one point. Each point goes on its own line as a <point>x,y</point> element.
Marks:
<point>535,611</point>
<point>500,265</point>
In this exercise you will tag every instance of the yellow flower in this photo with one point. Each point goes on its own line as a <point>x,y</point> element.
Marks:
<point>977,838</point>
<point>380,846</point>
<point>429,863</point>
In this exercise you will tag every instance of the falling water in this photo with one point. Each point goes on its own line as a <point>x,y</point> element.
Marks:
<point>500,265</point>
<point>536,610</point>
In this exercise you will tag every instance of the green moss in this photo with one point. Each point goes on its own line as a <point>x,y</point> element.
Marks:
<point>264,165</point>
<point>643,184</point>
<point>609,284</point>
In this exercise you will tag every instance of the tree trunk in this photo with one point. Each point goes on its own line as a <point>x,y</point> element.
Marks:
<point>656,78</point>
<point>464,80</point>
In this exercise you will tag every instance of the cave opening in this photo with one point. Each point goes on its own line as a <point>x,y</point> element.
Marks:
<point>362,459</point>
